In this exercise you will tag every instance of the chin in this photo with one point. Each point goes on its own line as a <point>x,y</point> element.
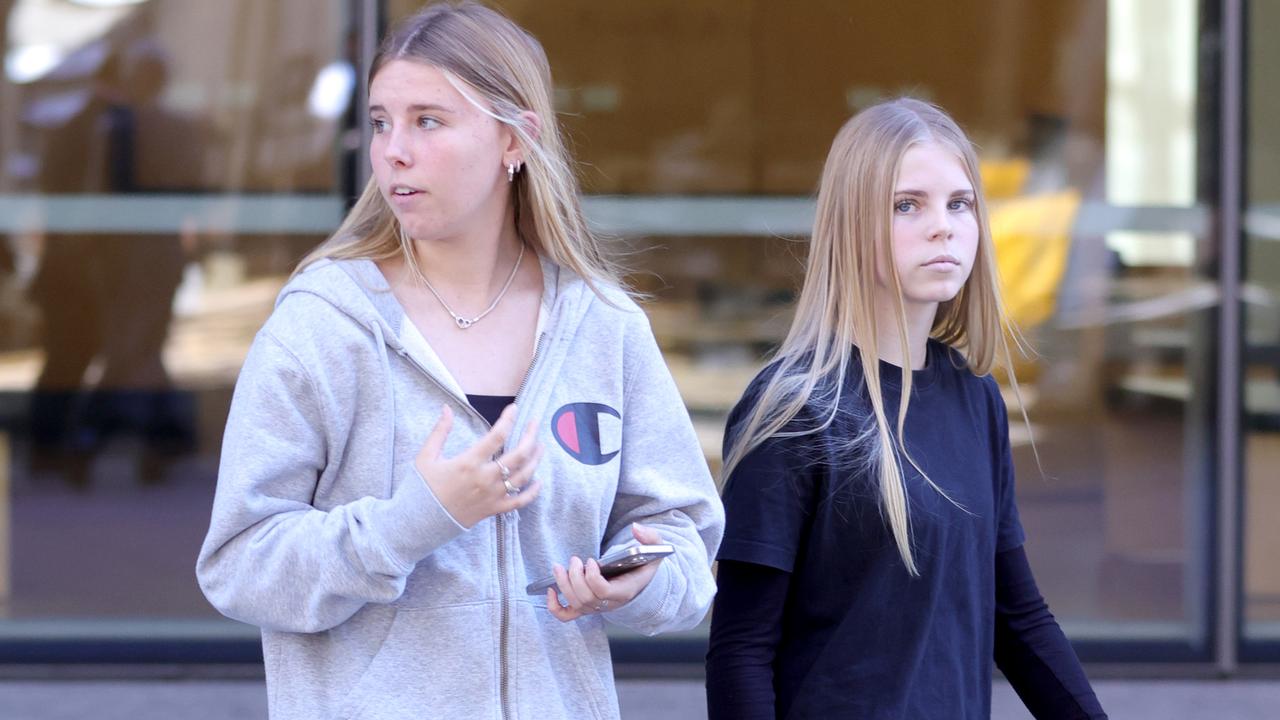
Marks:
<point>418,230</point>
<point>938,295</point>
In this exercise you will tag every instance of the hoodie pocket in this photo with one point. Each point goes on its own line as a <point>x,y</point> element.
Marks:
<point>566,670</point>
<point>437,662</point>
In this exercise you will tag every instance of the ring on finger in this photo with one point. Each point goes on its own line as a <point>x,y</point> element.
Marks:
<point>506,478</point>
<point>601,606</point>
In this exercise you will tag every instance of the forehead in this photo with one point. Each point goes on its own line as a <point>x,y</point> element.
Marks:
<point>404,82</point>
<point>932,165</point>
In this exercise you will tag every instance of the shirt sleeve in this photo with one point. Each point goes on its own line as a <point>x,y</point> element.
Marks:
<point>270,557</point>
<point>746,627</point>
<point>1031,650</point>
<point>766,498</point>
<point>1009,533</point>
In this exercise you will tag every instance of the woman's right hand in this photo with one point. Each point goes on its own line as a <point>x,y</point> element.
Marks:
<point>470,486</point>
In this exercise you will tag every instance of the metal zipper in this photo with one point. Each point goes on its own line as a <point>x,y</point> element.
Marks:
<point>501,526</point>
<point>504,621</point>
<point>461,401</point>
<point>537,350</point>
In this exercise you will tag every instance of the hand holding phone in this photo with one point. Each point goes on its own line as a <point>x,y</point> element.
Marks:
<point>586,590</point>
<point>613,564</point>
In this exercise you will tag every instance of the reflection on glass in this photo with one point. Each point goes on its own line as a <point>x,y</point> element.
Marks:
<point>1081,111</point>
<point>118,350</point>
<point>132,284</point>
<point>117,498</point>
<point>1261,356</point>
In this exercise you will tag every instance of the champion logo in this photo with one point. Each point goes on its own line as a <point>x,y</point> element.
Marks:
<point>576,427</point>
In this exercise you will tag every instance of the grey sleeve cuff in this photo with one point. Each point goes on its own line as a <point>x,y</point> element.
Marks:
<point>414,523</point>
<point>649,611</point>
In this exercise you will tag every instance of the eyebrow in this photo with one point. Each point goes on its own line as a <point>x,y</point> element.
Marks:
<point>430,107</point>
<point>921,193</point>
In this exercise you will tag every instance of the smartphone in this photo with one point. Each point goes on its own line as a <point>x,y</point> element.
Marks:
<point>613,564</point>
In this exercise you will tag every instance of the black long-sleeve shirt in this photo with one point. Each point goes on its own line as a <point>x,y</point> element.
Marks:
<point>816,615</point>
<point>1030,649</point>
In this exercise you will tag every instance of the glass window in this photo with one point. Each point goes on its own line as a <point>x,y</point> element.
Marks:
<point>1261,356</point>
<point>163,166</point>
<point>705,127</point>
<point>165,163</point>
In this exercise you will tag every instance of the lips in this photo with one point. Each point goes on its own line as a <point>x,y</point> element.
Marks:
<point>404,191</point>
<point>942,261</point>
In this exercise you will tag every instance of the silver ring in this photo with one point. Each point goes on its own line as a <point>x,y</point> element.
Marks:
<point>602,606</point>
<point>506,478</point>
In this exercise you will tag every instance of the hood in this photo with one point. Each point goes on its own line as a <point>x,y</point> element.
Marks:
<point>359,290</point>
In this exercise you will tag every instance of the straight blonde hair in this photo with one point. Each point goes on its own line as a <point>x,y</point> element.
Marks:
<point>835,317</point>
<point>503,70</point>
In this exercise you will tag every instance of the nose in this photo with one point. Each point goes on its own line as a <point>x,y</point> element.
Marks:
<point>394,151</point>
<point>941,229</point>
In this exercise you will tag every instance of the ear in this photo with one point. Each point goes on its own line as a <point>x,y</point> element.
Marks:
<point>514,151</point>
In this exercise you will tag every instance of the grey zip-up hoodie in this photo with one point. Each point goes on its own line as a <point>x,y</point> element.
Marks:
<point>373,601</point>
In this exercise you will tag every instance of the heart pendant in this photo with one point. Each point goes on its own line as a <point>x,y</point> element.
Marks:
<point>463,323</point>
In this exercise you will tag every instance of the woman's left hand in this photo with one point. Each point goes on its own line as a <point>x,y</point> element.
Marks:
<point>587,592</point>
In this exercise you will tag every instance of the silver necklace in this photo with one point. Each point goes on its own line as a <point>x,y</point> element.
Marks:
<point>464,323</point>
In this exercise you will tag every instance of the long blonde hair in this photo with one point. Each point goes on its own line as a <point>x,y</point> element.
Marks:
<point>835,315</point>
<point>483,53</point>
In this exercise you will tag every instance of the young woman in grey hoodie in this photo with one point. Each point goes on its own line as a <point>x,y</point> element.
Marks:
<point>376,514</point>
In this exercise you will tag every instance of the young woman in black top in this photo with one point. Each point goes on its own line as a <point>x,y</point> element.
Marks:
<point>872,565</point>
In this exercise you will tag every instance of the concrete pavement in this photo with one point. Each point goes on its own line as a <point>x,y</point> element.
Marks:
<point>640,699</point>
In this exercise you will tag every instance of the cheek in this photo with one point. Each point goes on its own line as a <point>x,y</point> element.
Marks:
<point>466,163</point>
<point>891,257</point>
<point>969,239</point>
<point>905,243</point>
<point>378,163</point>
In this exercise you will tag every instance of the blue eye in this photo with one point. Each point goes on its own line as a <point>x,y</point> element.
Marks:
<point>960,204</point>
<point>903,206</point>
<point>378,126</point>
<point>428,123</point>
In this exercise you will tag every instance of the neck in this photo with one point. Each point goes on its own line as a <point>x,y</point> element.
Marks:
<point>469,268</point>
<point>919,322</point>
